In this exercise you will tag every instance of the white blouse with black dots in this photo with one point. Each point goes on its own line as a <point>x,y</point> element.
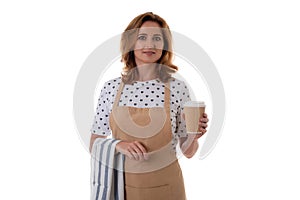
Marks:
<point>142,94</point>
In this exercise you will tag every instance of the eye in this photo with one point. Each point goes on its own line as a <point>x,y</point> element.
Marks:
<point>157,38</point>
<point>141,37</point>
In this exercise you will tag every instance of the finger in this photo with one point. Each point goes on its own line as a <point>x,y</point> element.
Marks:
<point>204,115</point>
<point>202,130</point>
<point>142,149</point>
<point>203,120</point>
<point>129,155</point>
<point>203,125</point>
<point>140,146</point>
<point>138,153</point>
<point>145,156</point>
<point>140,156</point>
<point>133,153</point>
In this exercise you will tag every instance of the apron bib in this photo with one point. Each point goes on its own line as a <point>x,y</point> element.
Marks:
<point>159,177</point>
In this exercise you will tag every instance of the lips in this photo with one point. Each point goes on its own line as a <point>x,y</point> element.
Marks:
<point>148,53</point>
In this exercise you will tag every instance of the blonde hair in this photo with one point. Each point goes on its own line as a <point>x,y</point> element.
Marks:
<point>165,66</point>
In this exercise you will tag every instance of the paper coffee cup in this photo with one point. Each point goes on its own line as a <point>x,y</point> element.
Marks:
<point>193,111</point>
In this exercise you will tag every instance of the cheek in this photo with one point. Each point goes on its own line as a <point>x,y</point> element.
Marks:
<point>138,45</point>
<point>136,52</point>
<point>159,45</point>
<point>159,53</point>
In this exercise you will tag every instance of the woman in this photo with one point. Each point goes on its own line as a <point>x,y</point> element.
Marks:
<point>143,109</point>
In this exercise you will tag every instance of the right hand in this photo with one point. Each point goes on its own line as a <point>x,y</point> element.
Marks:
<point>133,150</point>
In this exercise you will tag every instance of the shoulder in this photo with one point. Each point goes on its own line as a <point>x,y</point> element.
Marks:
<point>112,83</point>
<point>179,89</point>
<point>177,83</point>
<point>109,88</point>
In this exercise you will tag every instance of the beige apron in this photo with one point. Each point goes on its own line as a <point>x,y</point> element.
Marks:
<point>159,177</point>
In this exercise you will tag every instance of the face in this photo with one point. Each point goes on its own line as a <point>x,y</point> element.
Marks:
<point>149,45</point>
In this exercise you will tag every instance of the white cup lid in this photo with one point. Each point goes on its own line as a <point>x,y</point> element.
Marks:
<point>194,104</point>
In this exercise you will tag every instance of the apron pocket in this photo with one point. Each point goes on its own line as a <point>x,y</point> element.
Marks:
<point>162,192</point>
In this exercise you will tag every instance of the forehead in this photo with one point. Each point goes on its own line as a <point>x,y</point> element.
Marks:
<point>150,27</point>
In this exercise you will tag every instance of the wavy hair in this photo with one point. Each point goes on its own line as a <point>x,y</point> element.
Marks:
<point>165,67</point>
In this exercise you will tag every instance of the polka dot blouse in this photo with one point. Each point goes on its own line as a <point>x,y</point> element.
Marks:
<point>142,94</point>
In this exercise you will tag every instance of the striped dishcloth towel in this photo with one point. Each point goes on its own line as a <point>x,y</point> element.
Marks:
<point>107,171</point>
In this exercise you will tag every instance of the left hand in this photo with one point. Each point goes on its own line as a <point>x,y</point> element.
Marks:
<point>202,126</point>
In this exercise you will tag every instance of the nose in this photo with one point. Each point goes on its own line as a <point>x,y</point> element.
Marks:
<point>149,44</point>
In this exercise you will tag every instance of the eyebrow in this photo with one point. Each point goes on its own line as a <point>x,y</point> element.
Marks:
<point>156,34</point>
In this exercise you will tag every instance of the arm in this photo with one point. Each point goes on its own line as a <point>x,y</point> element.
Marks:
<point>188,142</point>
<point>189,145</point>
<point>100,127</point>
<point>93,138</point>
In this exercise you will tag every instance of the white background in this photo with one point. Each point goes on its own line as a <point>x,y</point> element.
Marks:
<point>254,45</point>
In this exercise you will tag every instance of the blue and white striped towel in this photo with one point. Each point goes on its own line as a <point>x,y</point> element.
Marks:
<point>107,175</point>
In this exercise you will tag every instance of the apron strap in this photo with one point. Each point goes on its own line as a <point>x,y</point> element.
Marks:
<point>167,97</point>
<point>118,96</point>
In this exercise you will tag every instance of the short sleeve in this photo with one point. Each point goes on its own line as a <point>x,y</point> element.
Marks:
<point>183,96</point>
<point>101,120</point>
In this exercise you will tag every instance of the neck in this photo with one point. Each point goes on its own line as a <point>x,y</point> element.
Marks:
<point>147,72</point>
